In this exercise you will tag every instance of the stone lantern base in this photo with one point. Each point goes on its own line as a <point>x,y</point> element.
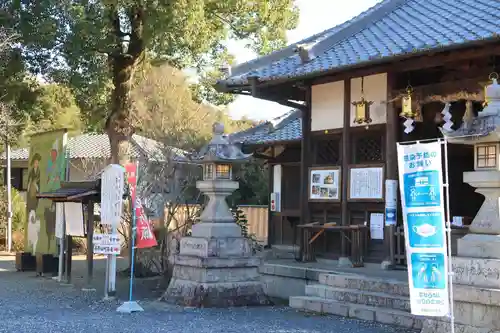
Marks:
<point>476,268</point>
<point>215,272</point>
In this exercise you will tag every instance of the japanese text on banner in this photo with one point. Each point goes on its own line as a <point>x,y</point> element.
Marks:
<point>420,175</point>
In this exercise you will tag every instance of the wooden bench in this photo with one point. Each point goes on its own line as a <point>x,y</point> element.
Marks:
<point>355,235</point>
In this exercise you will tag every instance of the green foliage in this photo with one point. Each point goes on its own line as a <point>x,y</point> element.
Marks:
<point>253,179</point>
<point>81,43</point>
<point>241,220</point>
<point>18,209</point>
<point>166,111</point>
<point>54,108</point>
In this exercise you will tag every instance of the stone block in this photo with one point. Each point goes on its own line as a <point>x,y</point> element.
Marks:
<point>313,305</point>
<point>439,326</point>
<point>397,318</point>
<point>361,297</point>
<point>194,294</point>
<point>216,275</point>
<point>290,271</point>
<point>336,308</point>
<point>479,246</point>
<point>476,272</point>
<point>315,290</point>
<point>215,247</point>
<point>486,296</point>
<point>215,262</point>
<point>364,283</point>
<point>216,230</point>
<point>297,302</point>
<point>362,313</point>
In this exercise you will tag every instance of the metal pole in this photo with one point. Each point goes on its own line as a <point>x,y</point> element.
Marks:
<point>134,229</point>
<point>132,253</point>
<point>106,280</point>
<point>90,245</point>
<point>9,199</point>
<point>448,227</point>
<point>61,243</point>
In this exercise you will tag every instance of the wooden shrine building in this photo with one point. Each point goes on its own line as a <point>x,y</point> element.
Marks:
<point>356,89</point>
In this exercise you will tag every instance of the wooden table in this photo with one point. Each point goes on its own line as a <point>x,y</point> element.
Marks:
<point>355,235</point>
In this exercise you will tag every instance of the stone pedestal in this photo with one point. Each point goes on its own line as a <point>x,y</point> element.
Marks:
<point>215,267</point>
<point>476,267</point>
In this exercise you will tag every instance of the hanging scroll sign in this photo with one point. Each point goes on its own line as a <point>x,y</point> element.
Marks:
<point>112,187</point>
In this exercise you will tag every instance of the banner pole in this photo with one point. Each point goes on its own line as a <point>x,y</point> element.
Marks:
<point>132,306</point>
<point>448,227</point>
<point>134,227</point>
<point>62,243</point>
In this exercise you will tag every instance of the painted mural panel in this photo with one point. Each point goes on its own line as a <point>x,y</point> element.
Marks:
<point>47,168</point>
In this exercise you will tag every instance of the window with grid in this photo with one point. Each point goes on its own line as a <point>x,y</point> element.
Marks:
<point>223,171</point>
<point>209,171</point>
<point>328,151</point>
<point>368,149</point>
<point>486,156</point>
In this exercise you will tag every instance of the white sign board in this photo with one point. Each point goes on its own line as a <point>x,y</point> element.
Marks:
<point>376,226</point>
<point>106,243</point>
<point>112,187</point>
<point>391,201</point>
<point>59,219</point>
<point>324,184</point>
<point>366,183</point>
<point>73,212</point>
<point>421,179</point>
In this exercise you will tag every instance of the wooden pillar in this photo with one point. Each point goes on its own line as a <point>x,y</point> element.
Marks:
<point>69,257</point>
<point>90,245</point>
<point>270,226</point>
<point>391,161</point>
<point>305,160</point>
<point>346,159</point>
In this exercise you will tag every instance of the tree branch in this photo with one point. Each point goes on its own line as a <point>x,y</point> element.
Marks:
<point>233,28</point>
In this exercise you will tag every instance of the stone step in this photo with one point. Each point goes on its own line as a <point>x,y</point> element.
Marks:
<point>364,283</point>
<point>359,297</point>
<point>358,311</point>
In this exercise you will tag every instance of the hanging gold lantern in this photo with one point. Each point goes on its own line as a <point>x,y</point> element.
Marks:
<point>407,111</point>
<point>362,108</point>
<point>491,98</point>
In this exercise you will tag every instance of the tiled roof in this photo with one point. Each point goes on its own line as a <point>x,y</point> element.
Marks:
<point>390,28</point>
<point>97,146</point>
<point>286,128</point>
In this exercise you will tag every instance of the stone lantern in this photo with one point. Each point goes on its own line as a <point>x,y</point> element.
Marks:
<point>476,266</point>
<point>215,266</point>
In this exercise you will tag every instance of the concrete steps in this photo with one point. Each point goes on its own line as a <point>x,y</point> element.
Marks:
<point>357,311</point>
<point>365,283</point>
<point>359,297</point>
<point>373,299</point>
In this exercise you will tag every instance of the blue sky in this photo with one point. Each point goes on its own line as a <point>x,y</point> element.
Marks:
<point>315,16</point>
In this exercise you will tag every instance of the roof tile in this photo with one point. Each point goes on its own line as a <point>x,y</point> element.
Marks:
<point>391,28</point>
<point>285,128</point>
<point>93,145</point>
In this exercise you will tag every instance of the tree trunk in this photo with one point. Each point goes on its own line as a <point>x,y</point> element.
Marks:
<point>119,124</point>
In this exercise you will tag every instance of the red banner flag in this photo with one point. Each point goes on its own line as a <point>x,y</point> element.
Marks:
<point>131,171</point>
<point>144,237</point>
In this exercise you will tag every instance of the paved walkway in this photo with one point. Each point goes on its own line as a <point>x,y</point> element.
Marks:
<point>34,304</point>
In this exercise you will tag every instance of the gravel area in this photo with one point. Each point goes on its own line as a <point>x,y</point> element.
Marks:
<point>35,304</point>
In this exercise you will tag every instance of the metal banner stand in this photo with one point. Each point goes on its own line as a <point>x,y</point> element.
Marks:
<point>448,233</point>
<point>132,306</point>
<point>62,240</point>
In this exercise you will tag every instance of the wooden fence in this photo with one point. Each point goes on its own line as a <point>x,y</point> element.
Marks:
<point>257,221</point>
<point>256,216</point>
